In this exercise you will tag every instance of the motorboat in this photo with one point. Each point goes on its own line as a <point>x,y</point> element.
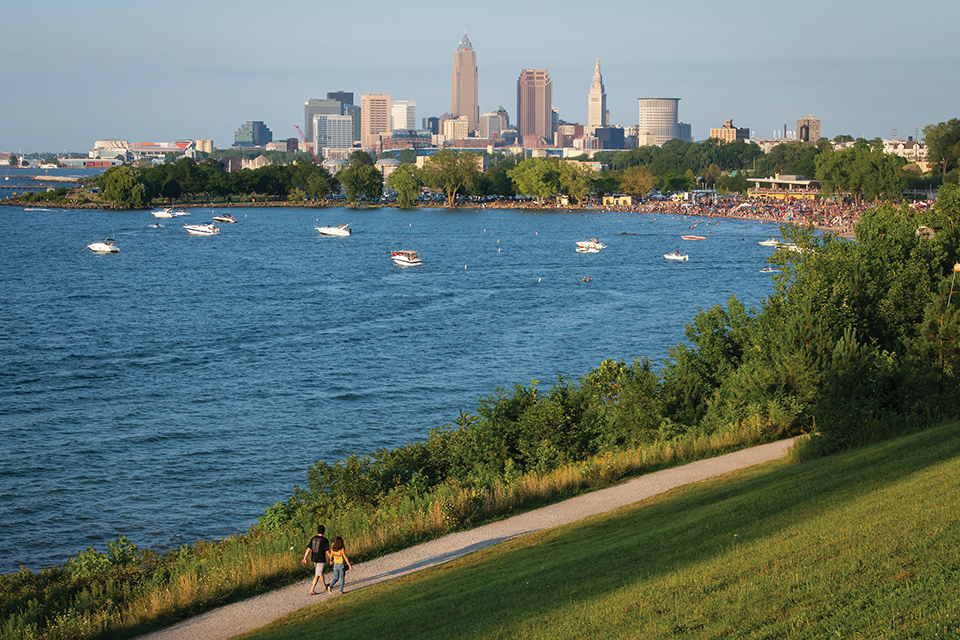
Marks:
<point>104,246</point>
<point>406,258</point>
<point>342,230</point>
<point>180,212</point>
<point>587,250</point>
<point>693,237</point>
<point>677,256</point>
<point>224,217</point>
<point>163,213</point>
<point>201,229</point>
<point>772,242</point>
<point>592,243</point>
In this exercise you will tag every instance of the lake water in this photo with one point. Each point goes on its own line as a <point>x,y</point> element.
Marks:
<point>172,391</point>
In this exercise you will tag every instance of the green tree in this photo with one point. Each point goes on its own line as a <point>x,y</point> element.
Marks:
<point>361,179</point>
<point>943,144</point>
<point>450,172</point>
<point>637,181</point>
<point>124,187</point>
<point>407,180</point>
<point>537,177</point>
<point>576,180</point>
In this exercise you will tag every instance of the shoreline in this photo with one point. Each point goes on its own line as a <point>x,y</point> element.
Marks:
<point>844,230</point>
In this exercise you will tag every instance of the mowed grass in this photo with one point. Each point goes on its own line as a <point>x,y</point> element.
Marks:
<point>863,544</point>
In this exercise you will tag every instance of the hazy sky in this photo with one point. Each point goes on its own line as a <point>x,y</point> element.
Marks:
<point>75,72</point>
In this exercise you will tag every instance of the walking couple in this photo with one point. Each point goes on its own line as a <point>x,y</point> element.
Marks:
<point>321,553</point>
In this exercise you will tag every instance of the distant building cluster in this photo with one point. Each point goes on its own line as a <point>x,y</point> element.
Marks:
<point>336,126</point>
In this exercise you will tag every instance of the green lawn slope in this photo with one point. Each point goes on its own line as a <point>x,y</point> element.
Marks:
<point>863,544</point>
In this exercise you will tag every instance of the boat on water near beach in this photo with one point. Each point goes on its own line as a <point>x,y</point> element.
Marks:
<point>341,230</point>
<point>772,242</point>
<point>406,258</point>
<point>587,250</point>
<point>592,243</point>
<point>676,256</point>
<point>224,217</point>
<point>693,237</point>
<point>163,213</point>
<point>107,245</point>
<point>201,229</point>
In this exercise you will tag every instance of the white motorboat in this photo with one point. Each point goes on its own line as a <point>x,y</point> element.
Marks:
<point>201,229</point>
<point>180,212</point>
<point>163,213</point>
<point>587,250</point>
<point>406,258</point>
<point>677,256</point>
<point>104,246</point>
<point>592,243</point>
<point>772,242</point>
<point>342,230</point>
<point>224,217</point>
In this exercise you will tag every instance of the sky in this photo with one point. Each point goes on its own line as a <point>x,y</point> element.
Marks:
<point>75,72</point>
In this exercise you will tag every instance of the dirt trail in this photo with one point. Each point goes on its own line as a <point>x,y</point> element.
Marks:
<point>247,615</point>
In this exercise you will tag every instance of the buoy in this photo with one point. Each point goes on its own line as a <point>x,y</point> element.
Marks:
<point>498,250</point>
<point>464,266</point>
<point>538,280</point>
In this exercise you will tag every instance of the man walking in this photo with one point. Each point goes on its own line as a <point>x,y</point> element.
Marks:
<point>319,551</point>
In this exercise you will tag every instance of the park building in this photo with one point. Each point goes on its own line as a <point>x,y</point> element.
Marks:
<point>730,133</point>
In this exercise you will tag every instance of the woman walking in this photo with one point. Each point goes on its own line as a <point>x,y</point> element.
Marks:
<point>341,564</point>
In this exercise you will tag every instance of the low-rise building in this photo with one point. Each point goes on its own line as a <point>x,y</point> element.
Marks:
<point>730,133</point>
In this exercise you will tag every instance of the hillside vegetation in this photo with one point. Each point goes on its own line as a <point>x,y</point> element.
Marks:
<point>863,544</point>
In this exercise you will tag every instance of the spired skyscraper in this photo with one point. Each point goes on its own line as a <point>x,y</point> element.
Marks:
<point>597,106</point>
<point>465,101</point>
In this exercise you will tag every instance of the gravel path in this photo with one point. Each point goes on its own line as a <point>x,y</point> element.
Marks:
<point>247,615</point>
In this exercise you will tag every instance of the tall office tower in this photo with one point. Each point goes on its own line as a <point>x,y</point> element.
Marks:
<point>403,115</point>
<point>374,118</point>
<point>535,104</point>
<point>597,102</point>
<point>314,107</point>
<point>808,129</point>
<point>252,134</point>
<point>658,120</point>
<point>465,84</point>
<point>332,132</point>
<point>343,97</point>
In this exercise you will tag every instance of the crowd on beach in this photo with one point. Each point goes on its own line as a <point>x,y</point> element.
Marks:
<point>836,217</point>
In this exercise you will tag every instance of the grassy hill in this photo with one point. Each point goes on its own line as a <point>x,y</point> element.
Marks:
<point>863,544</point>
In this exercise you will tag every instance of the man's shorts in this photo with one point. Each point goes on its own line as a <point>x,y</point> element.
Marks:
<point>319,570</point>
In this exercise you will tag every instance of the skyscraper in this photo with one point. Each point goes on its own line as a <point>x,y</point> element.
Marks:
<point>535,104</point>
<point>403,114</point>
<point>374,118</point>
<point>314,107</point>
<point>597,104</point>
<point>465,84</point>
<point>658,120</point>
<point>252,134</point>
<point>808,129</point>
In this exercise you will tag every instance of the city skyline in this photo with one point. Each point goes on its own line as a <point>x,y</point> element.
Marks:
<point>75,73</point>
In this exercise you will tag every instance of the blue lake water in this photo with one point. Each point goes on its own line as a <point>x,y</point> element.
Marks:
<point>174,390</point>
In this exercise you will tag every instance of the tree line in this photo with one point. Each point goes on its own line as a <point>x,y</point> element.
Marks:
<point>862,172</point>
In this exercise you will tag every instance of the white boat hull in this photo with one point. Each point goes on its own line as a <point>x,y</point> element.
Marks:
<point>341,231</point>
<point>406,258</point>
<point>103,247</point>
<point>201,229</point>
<point>677,258</point>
